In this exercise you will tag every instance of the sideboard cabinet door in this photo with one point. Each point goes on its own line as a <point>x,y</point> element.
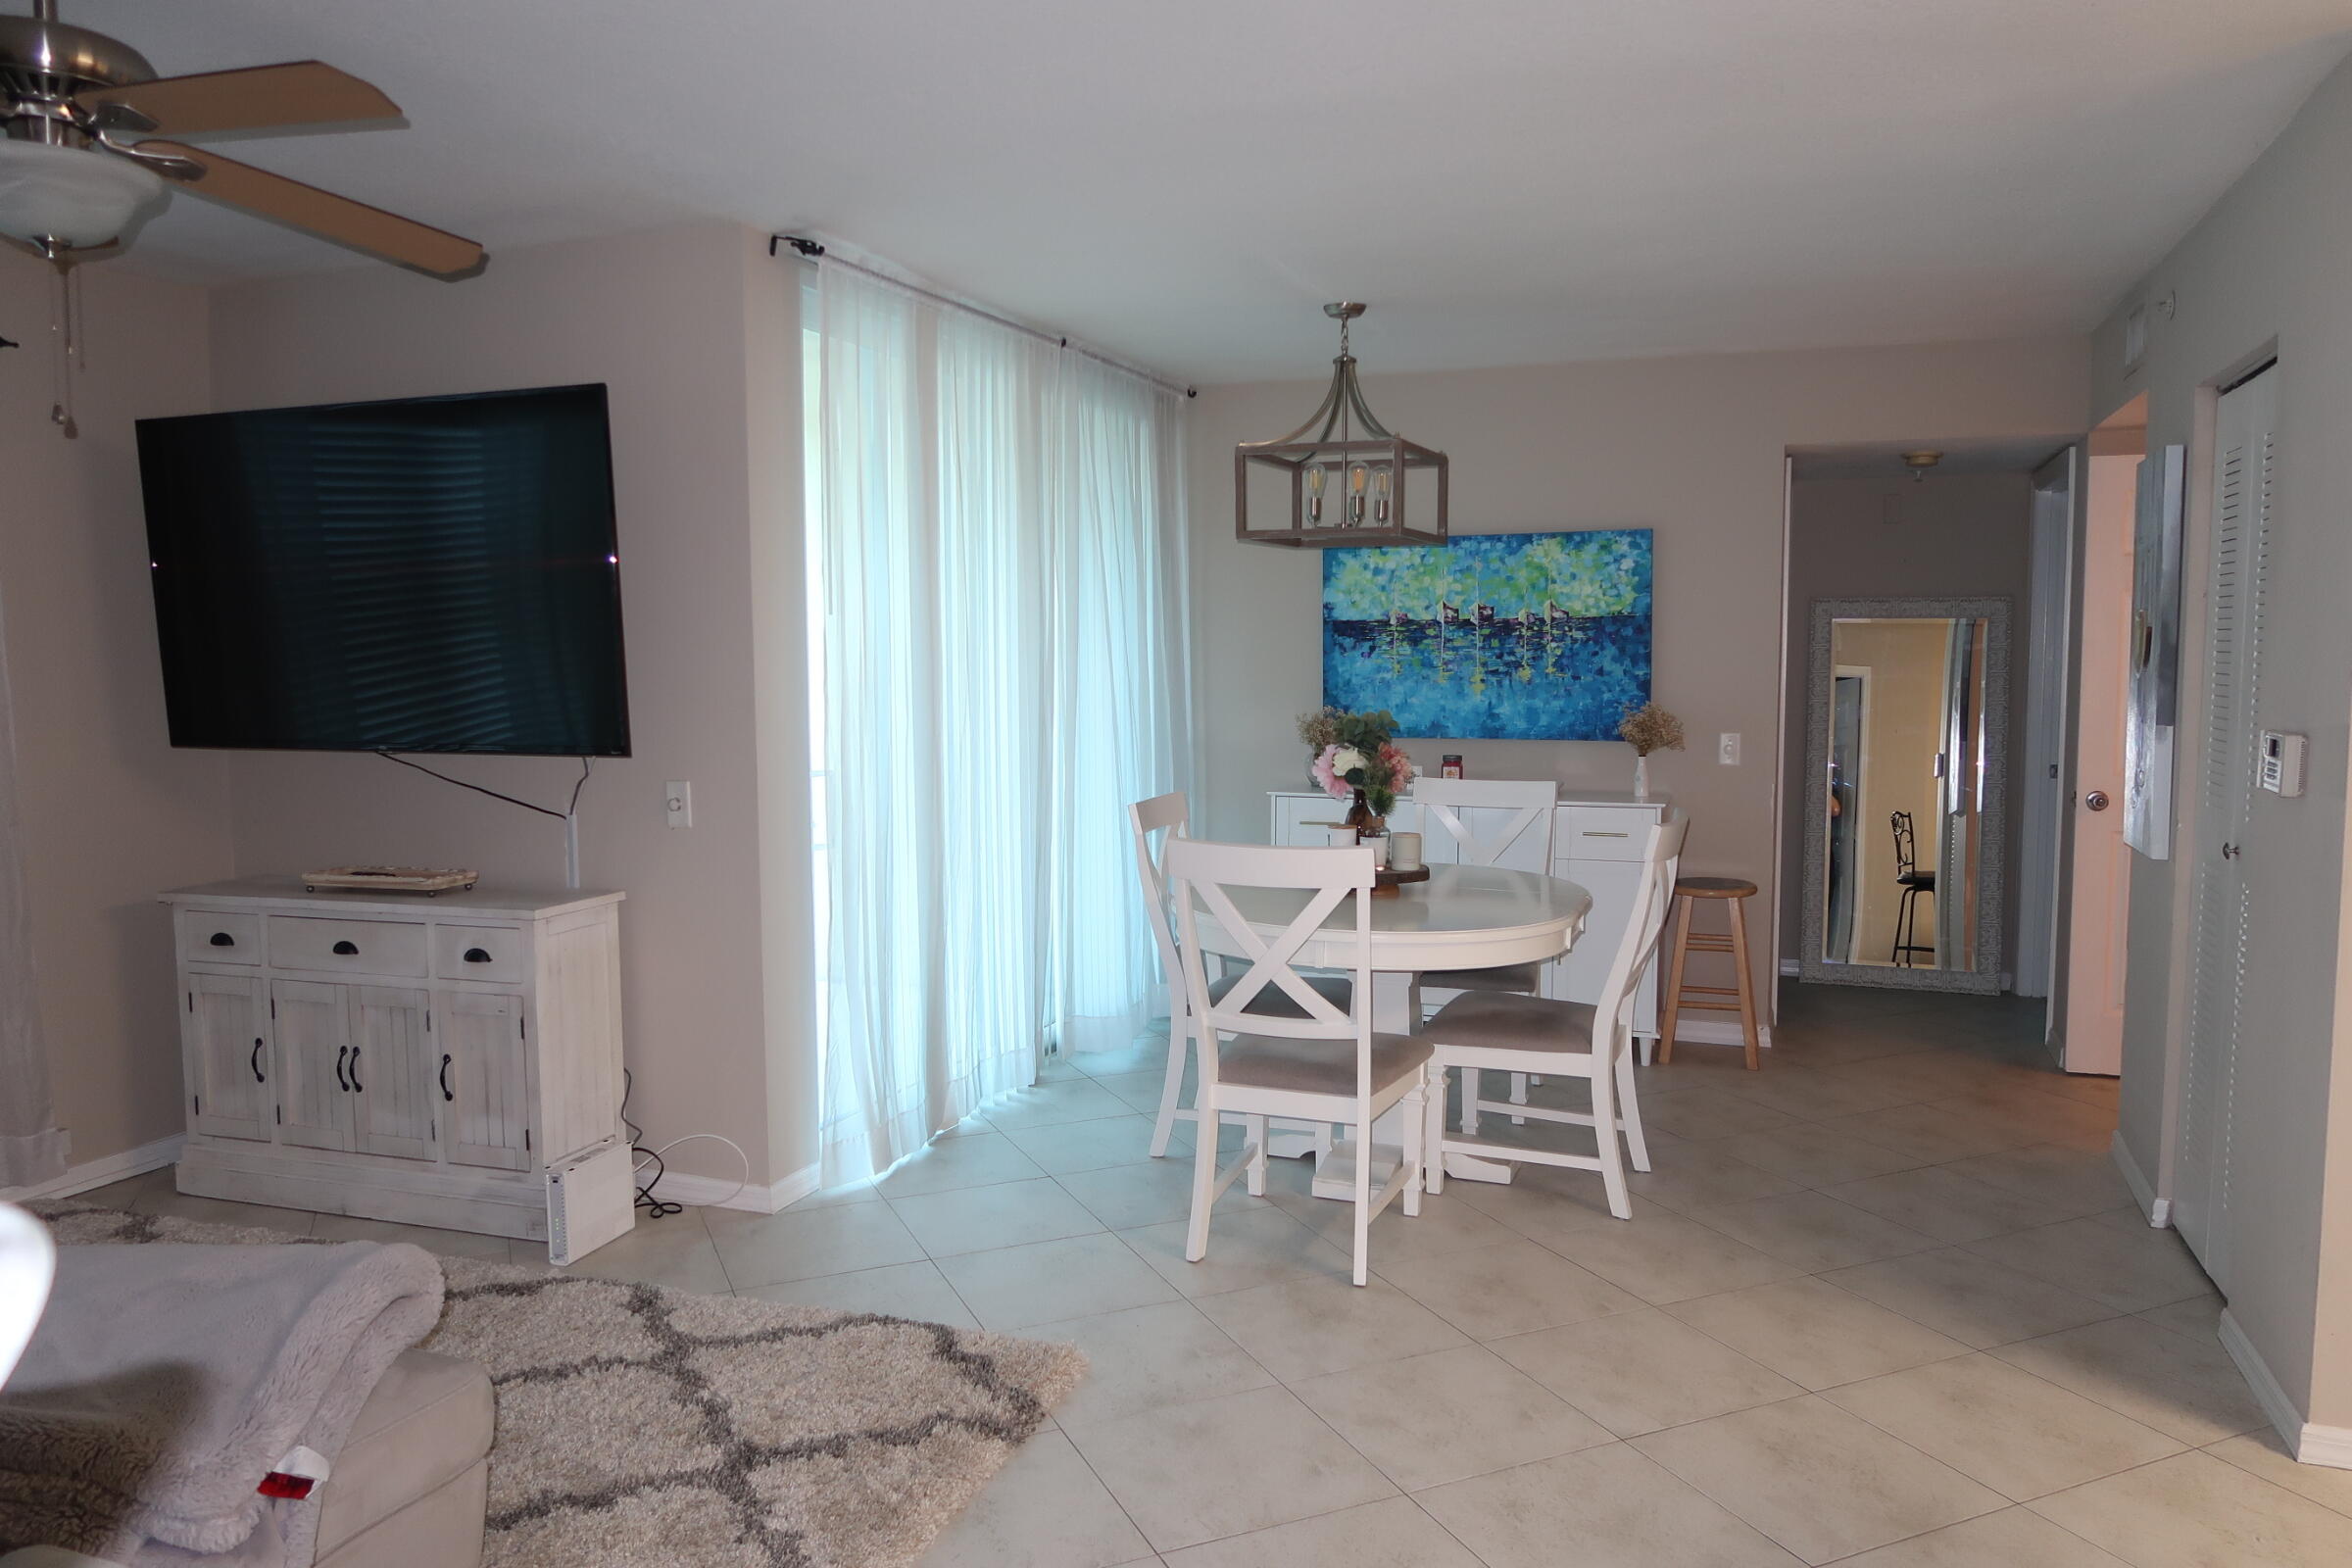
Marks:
<point>1585,971</point>
<point>390,1114</point>
<point>481,1079</point>
<point>313,1063</point>
<point>222,1029</point>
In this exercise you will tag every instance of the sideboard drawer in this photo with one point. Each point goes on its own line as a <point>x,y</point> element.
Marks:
<point>1601,832</point>
<point>360,947</point>
<point>479,952</point>
<point>218,936</point>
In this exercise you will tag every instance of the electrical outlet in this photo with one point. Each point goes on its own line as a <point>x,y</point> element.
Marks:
<point>677,800</point>
<point>1727,749</point>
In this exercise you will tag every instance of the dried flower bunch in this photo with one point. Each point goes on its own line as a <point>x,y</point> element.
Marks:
<point>1650,728</point>
<point>1356,752</point>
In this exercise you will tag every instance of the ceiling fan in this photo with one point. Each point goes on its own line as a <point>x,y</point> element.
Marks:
<point>92,145</point>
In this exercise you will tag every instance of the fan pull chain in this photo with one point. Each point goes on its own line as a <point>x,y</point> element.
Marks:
<point>65,339</point>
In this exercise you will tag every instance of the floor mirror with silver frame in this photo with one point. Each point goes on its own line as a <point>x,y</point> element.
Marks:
<point>1906,790</point>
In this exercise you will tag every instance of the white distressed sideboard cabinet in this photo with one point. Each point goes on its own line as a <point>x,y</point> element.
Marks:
<point>397,1057</point>
<point>1597,838</point>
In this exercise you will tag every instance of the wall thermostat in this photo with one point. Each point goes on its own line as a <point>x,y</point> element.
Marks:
<point>2283,761</point>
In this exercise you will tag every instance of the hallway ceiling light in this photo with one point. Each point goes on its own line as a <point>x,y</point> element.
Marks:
<point>1346,471</point>
<point>1920,462</point>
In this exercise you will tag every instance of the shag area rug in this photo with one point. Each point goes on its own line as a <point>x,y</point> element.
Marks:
<point>639,1425</point>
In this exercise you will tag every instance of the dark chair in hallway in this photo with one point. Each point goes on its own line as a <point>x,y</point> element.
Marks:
<point>1914,882</point>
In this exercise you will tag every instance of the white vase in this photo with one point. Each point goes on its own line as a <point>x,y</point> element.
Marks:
<point>1640,777</point>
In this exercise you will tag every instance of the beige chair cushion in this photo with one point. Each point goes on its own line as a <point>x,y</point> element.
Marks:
<point>1275,1003</point>
<point>1494,1020</point>
<point>427,1424</point>
<point>443,1529</point>
<point>1502,977</point>
<point>1317,1066</point>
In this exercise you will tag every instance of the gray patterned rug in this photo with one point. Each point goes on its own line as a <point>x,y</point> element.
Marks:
<point>644,1425</point>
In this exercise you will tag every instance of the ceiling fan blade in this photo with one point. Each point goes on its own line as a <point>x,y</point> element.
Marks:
<point>302,92</point>
<point>387,235</point>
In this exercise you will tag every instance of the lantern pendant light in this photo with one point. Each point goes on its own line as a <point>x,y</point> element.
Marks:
<point>1347,473</point>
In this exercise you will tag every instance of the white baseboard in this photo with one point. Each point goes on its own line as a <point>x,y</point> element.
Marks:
<point>2143,1192</point>
<point>1719,1032</point>
<point>103,1171</point>
<point>709,1192</point>
<point>2308,1444</point>
<point>2326,1446</point>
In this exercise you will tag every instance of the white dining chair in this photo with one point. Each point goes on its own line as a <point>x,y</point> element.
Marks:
<point>1496,1029</point>
<point>1158,822</point>
<point>1487,821</point>
<point>1324,1062</point>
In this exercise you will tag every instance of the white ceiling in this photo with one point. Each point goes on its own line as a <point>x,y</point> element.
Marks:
<point>1507,181</point>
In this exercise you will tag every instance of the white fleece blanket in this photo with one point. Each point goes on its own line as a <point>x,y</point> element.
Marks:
<point>165,1381</point>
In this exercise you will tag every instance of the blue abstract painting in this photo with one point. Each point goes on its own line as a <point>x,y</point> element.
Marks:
<point>1520,636</point>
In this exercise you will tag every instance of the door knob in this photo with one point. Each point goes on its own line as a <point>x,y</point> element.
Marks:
<point>2096,800</point>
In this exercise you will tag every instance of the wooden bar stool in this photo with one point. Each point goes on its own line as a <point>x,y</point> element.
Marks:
<point>1687,892</point>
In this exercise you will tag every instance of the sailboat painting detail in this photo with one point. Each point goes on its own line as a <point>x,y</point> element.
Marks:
<point>1520,636</point>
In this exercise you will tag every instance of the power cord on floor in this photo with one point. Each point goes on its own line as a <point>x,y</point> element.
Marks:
<point>651,1159</point>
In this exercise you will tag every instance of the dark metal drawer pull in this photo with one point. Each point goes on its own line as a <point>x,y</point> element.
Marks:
<point>348,950</point>
<point>342,1082</point>
<point>257,1060</point>
<point>477,954</point>
<point>354,1071</point>
<point>445,1093</point>
<point>221,939</point>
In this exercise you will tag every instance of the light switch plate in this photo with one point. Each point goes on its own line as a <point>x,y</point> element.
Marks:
<point>677,803</point>
<point>1727,749</point>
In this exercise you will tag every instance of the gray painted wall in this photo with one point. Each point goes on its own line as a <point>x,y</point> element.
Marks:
<point>2268,264</point>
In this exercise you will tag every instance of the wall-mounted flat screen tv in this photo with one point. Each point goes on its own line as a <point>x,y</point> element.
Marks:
<point>428,574</point>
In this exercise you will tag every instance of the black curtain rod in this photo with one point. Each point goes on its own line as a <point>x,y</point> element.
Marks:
<point>813,249</point>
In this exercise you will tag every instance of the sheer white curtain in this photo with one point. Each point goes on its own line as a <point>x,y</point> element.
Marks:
<point>33,1150</point>
<point>1001,531</point>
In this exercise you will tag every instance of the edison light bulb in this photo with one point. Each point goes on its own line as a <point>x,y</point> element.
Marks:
<point>1355,492</point>
<point>1315,475</point>
<point>1380,494</point>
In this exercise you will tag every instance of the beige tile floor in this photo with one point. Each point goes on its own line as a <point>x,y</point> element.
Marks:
<point>1884,1303</point>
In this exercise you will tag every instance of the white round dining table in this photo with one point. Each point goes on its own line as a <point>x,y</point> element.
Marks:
<point>1464,917</point>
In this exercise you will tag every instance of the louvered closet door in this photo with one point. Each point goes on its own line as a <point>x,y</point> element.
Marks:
<point>2244,462</point>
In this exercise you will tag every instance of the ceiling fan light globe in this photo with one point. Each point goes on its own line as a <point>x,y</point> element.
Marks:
<point>73,195</point>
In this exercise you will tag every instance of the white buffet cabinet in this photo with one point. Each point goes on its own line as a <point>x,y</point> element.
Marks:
<point>397,1057</point>
<point>1596,842</point>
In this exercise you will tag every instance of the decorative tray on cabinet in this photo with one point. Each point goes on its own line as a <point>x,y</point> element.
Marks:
<point>428,880</point>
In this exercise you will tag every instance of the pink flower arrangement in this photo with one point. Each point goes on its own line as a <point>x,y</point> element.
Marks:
<point>1355,753</point>
<point>1401,771</point>
<point>1327,771</point>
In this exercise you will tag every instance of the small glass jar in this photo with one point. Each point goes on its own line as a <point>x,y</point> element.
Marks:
<point>1451,766</point>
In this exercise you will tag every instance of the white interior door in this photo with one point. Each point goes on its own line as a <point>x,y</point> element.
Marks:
<point>2099,866</point>
<point>2238,582</point>
<point>2049,616</point>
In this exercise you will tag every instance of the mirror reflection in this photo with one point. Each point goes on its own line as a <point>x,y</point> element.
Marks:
<point>1904,834</point>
